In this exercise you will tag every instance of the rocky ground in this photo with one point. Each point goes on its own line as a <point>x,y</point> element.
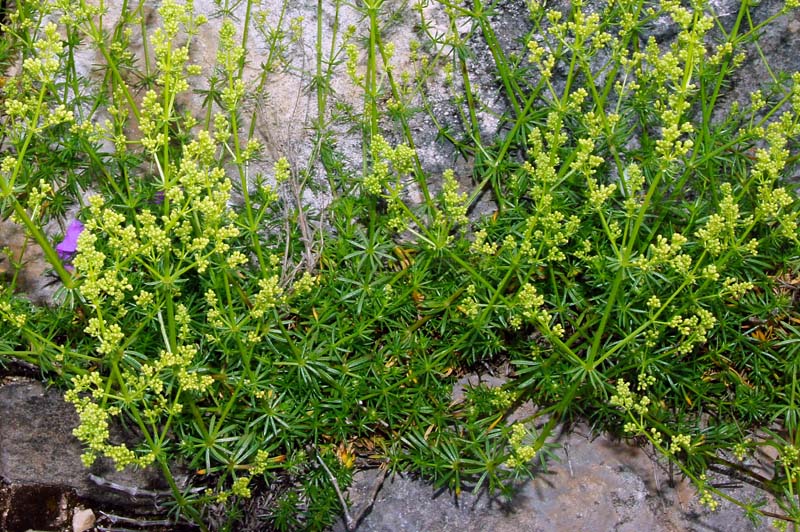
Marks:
<point>598,485</point>
<point>595,484</point>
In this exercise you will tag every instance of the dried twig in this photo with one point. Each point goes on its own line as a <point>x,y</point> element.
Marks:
<point>348,519</point>
<point>136,522</point>
<point>302,222</point>
<point>352,521</point>
<point>569,461</point>
<point>133,491</point>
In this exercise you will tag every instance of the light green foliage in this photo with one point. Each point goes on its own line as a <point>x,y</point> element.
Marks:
<point>640,269</point>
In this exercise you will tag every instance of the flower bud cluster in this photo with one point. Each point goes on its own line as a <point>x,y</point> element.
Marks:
<point>635,408</point>
<point>145,390</point>
<point>543,145</point>
<point>306,283</point>
<point>150,122</point>
<point>230,53</point>
<point>93,428</point>
<point>469,306</point>
<point>705,497</point>
<point>718,233</point>
<point>100,280</point>
<point>521,454</point>
<point>501,398</point>
<point>734,289</point>
<point>480,246</point>
<point>351,50</point>
<point>542,57</point>
<point>268,297</point>
<point>171,60</point>
<point>46,64</point>
<point>38,195</point>
<point>790,459</point>
<point>771,161</point>
<point>385,158</point>
<point>665,253</point>
<point>547,231</point>
<point>531,303</point>
<point>693,329</point>
<point>8,315</point>
<point>454,204</point>
<point>679,443</point>
<point>774,208</point>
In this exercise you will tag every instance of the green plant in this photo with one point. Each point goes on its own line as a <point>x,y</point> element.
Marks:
<point>239,333</point>
<point>631,263</point>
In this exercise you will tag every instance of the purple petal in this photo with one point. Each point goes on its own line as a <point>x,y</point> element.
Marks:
<point>69,245</point>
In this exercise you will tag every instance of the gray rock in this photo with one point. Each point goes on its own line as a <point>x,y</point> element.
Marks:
<point>778,44</point>
<point>599,484</point>
<point>32,278</point>
<point>37,448</point>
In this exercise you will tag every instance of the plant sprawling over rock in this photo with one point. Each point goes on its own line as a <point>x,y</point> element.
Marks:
<point>270,321</point>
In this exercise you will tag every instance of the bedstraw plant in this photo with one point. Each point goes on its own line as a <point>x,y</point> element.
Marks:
<point>639,268</point>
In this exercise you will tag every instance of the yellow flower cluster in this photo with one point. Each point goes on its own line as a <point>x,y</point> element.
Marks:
<point>7,314</point>
<point>521,454</point>
<point>454,203</point>
<point>269,295</point>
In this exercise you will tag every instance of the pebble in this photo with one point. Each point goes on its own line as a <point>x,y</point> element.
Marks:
<point>82,520</point>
